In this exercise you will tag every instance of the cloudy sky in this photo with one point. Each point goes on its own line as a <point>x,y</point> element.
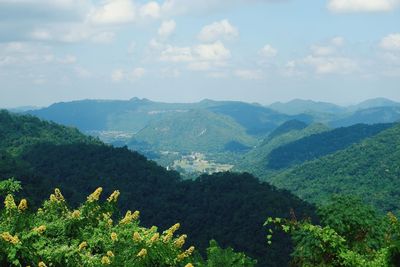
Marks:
<point>263,51</point>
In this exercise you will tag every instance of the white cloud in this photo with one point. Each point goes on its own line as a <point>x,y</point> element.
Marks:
<point>114,12</point>
<point>199,58</point>
<point>268,51</point>
<point>217,31</point>
<point>68,59</point>
<point>331,65</point>
<point>338,41</point>
<point>199,66</point>
<point>82,72</point>
<point>41,35</point>
<point>322,50</point>
<point>103,37</point>
<point>136,74</point>
<point>343,6</point>
<point>170,73</point>
<point>213,52</point>
<point>151,10</point>
<point>391,42</point>
<point>247,74</point>
<point>217,74</point>
<point>117,75</point>
<point>166,29</point>
<point>328,49</point>
<point>177,54</point>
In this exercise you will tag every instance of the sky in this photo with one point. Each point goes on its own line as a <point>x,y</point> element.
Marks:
<point>341,51</point>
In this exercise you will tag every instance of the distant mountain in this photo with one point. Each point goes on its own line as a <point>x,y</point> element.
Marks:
<point>298,106</point>
<point>23,108</point>
<point>369,116</point>
<point>230,208</point>
<point>256,119</point>
<point>321,144</point>
<point>374,103</point>
<point>370,169</point>
<point>107,115</point>
<point>195,130</point>
<point>135,114</point>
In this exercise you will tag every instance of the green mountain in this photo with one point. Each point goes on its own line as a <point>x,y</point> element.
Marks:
<point>286,127</point>
<point>370,169</point>
<point>135,114</point>
<point>298,106</point>
<point>230,208</point>
<point>257,120</point>
<point>375,103</point>
<point>320,144</point>
<point>255,160</point>
<point>369,116</point>
<point>194,130</point>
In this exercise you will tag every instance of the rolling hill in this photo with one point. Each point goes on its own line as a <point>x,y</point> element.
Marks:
<point>370,169</point>
<point>194,130</point>
<point>321,144</point>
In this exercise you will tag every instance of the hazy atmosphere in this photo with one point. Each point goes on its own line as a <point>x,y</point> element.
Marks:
<point>186,50</point>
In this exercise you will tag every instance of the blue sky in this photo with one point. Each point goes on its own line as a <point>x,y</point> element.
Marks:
<point>342,51</point>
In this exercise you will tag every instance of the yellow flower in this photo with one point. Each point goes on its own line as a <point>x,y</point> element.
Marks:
<point>23,205</point>
<point>137,237</point>
<point>42,264</point>
<point>179,242</point>
<point>189,265</point>
<point>53,198</point>
<point>58,195</point>
<point>154,238</point>
<point>135,215</point>
<point>95,195</point>
<point>114,236</point>
<point>129,217</point>
<point>186,253</point>
<point>170,232</point>
<point>40,229</point>
<point>9,203</point>
<point>105,260</point>
<point>9,238</point>
<point>76,214</point>
<point>114,196</point>
<point>110,253</point>
<point>82,245</point>
<point>142,253</point>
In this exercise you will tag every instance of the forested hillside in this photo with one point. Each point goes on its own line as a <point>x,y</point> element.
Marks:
<point>369,169</point>
<point>194,130</point>
<point>320,144</point>
<point>255,161</point>
<point>228,207</point>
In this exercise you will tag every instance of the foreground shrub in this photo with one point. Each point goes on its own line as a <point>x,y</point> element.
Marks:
<point>54,235</point>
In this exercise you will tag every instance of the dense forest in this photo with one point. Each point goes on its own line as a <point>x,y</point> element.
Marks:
<point>369,169</point>
<point>228,207</point>
<point>321,144</point>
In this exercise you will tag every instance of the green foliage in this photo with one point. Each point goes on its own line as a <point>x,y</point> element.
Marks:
<point>54,235</point>
<point>369,169</point>
<point>351,234</point>
<point>217,256</point>
<point>9,187</point>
